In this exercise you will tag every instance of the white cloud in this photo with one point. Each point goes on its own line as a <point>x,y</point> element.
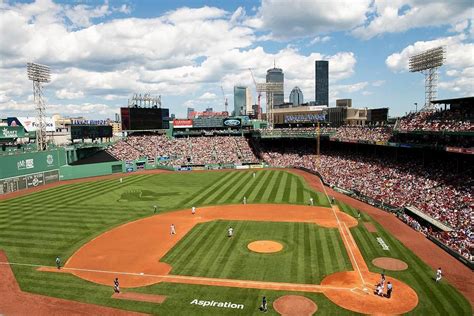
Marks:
<point>301,18</point>
<point>81,15</point>
<point>177,54</point>
<point>378,83</point>
<point>320,39</point>
<point>208,96</point>
<point>68,94</point>
<point>401,15</point>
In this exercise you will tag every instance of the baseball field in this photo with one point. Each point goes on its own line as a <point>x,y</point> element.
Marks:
<point>108,228</point>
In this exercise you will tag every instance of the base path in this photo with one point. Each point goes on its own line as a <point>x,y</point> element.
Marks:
<point>15,302</point>
<point>137,247</point>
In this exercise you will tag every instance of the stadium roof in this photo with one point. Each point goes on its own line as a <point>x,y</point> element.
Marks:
<point>465,100</point>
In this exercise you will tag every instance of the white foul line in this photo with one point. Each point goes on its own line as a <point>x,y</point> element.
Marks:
<point>343,235</point>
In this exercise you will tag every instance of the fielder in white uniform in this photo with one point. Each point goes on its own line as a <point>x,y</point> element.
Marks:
<point>193,210</point>
<point>230,232</point>
<point>311,201</point>
<point>172,230</point>
<point>439,275</point>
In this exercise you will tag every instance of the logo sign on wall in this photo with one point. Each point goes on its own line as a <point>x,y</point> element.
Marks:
<point>30,124</point>
<point>25,164</point>
<point>232,122</point>
<point>182,123</point>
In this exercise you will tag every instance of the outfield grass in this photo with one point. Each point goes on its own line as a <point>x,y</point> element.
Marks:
<point>434,298</point>
<point>310,252</point>
<point>35,228</point>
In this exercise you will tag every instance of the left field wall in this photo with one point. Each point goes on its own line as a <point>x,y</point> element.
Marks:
<point>34,169</point>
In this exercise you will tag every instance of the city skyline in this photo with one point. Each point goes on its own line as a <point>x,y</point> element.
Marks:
<point>102,52</point>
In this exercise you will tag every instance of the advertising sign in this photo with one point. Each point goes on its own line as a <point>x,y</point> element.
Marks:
<point>30,124</point>
<point>182,123</point>
<point>89,122</point>
<point>28,181</point>
<point>28,163</point>
<point>305,118</point>
<point>11,132</point>
<point>232,122</point>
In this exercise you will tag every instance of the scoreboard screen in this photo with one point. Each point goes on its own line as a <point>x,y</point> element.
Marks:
<point>134,119</point>
<point>90,131</point>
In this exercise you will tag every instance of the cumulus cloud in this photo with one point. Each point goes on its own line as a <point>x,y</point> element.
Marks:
<point>176,54</point>
<point>401,15</point>
<point>320,39</point>
<point>301,18</point>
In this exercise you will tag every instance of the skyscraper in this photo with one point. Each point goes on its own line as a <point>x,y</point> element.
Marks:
<point>240,100</point>
<point>248,101</point>
<point>321,73</point>
<point>296,96</point>
<point>276,75</point>
<point>190,113</point>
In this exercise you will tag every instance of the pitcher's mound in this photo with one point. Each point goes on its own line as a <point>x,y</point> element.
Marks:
<point>295,305</point>
<point>390,264</point>
<point>265,246</point>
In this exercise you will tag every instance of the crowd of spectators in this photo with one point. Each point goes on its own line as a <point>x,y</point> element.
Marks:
<point>185,151</point>
<point>364,133</point>
<point>435,188</point>
<point>455,120</point>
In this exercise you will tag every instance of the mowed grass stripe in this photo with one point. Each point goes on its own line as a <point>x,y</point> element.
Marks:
<point>218,192</point>
<point>287,188</point>
<point>241,182</point>
<point>202,195</point>
<point>265,197</point>
<point>293,189</point>
<point>220,195</point>
<point>254,185</point>
<point>300,191</point>
<point>281,188</point>
<point>272,197</point>
<point>267,185</point>
<point>261,184</point>
<point>236,194</point>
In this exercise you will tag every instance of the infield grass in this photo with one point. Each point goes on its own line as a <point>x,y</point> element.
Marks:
<point>310,252</point>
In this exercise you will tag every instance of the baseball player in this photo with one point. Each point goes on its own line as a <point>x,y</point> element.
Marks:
<point>121,180</point>
<point>311,201</point>
<point>264,304</point>
<point>253,175</point>
<point>389,290</point>
<point>245,200</point>
<point>193,210</point>
<point>230,232</point>
<point>116,286</point>
<point>58,262</point>
<point>439,275</point>
<point>154,209</point>
<point>172,230</point>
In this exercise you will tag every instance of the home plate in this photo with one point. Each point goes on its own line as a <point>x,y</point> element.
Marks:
<point>141,273</point>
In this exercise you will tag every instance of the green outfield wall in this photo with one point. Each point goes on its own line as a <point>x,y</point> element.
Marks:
<point>91,170</point>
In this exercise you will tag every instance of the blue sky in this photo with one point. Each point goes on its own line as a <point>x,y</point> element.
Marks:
<point>100,53</point>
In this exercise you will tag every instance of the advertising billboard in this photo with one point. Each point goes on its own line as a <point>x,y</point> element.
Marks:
<point>182,123</point>
<point>232,122</point>
<point>7,132</point>
<point>30,124</point>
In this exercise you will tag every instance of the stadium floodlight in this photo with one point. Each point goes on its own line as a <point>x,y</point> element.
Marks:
<point>428,63</point>
<point>39,74</point>
<point>270,88</point>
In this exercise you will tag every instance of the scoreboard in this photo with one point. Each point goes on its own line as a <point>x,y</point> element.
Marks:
<point>90,131</point>
<point>134,119</point>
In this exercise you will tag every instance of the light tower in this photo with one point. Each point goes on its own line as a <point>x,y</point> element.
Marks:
<point>428,64</point>
<point>39,74</point>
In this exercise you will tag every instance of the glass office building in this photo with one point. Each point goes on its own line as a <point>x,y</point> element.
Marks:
<point>276,75</point>
<point>321,92</point>
<point>296,96</point>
